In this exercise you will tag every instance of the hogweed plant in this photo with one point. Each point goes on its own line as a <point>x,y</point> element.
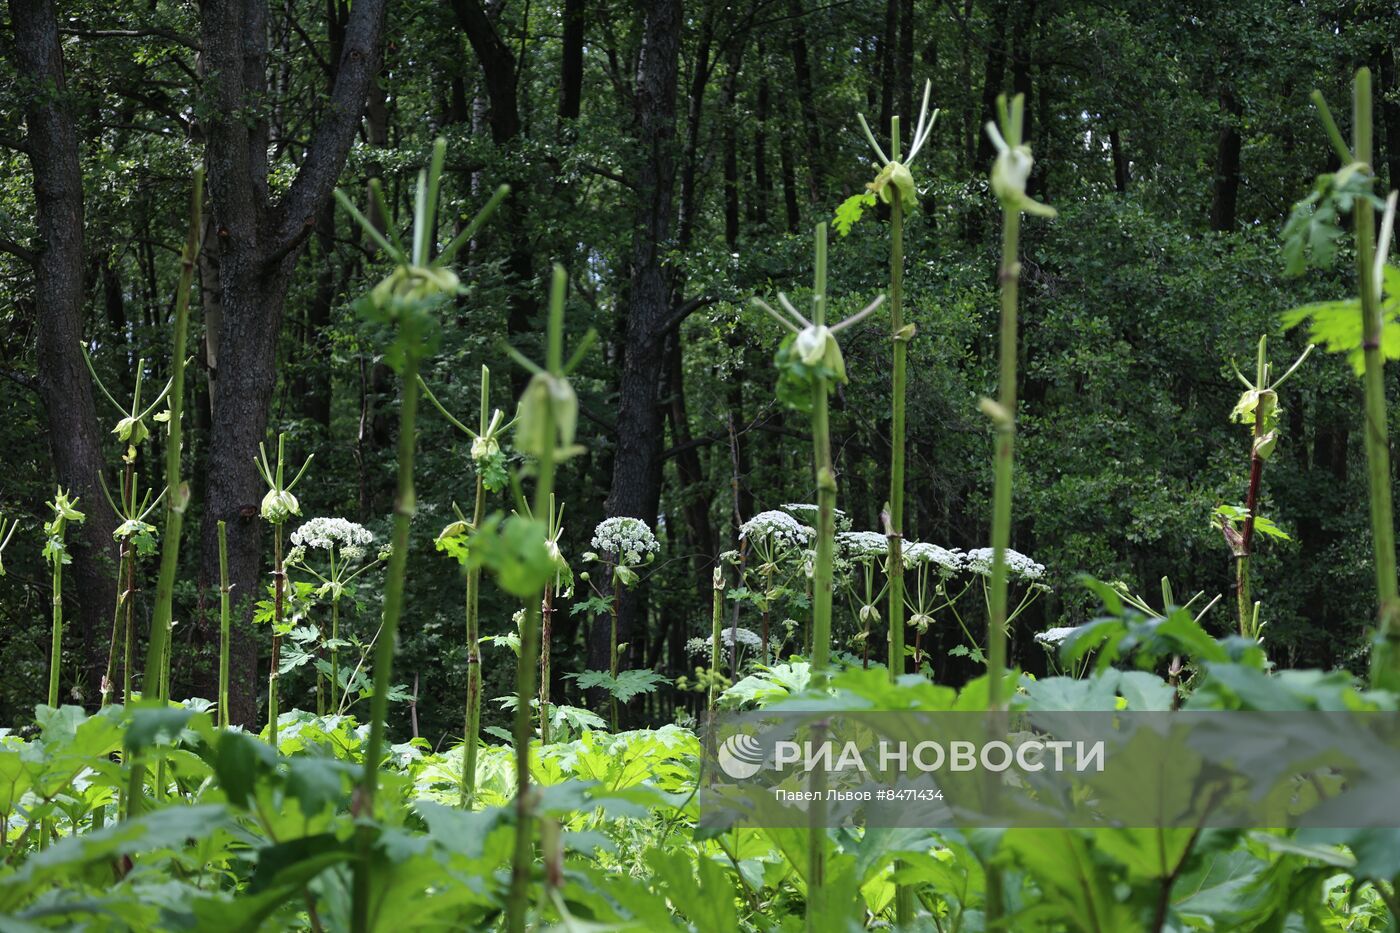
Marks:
<point>867,553</point>
<point>344,546</point>
<point>810,366</point>
<point>489,467</point>
<point>517,551</point>
<point>1259,410</point>
<point>404,302</point>
<point>1367,329</point>
<point>1010,173</point>
<point>177,497</point>
<point>561,585</point>
<point>895,186</point>
<point>135,537</point>
<point>775,542</point>
<point>622,545</point>
<point>64,512</point>
<point>278,505</point>
<point>934,569</point>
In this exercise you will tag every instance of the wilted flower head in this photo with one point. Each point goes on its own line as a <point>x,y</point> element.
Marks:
<point>947,561</point>
<point>326,533</point>
<point>773,527</point>
<point>1018,565</point>
<point>862,545</point>
<point>629,539</point>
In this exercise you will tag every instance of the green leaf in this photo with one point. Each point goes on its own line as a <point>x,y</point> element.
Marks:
<point>850,211</point>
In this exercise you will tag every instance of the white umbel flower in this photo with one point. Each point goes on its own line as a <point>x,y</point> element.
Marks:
<point>1018,565</point>
<point>947,561</point>
<point>774,527</point>
<point>742,635</point>
<point>629,539</point>
<point>1054,637</point>
<point>807,512</point>
<point>862,545</point>
<point>327,533</point>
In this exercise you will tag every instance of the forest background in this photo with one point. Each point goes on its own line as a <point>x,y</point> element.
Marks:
<point>674,156</point>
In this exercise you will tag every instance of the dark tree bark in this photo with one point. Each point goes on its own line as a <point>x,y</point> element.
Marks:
<point>259,241</point>
<point>636,478</point>
<point>807,103</point>
<point>1389,96</point>
<point>571,63</point>
<point>1121,176</point>
<point>75,434</point>
<point>499,71</point>
<point>993,76</point>
<point>763,180</point>
<point>1225,190</point>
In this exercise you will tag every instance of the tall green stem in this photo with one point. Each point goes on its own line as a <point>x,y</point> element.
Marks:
<point>821,599</point>
<point>56,642</point>
<point>223,624</point>
<point>178,493</point>
<point>1385,664</point>
<point>404,506</point>
<point>279,574</point>
<point>518,898</point>
<point>1009,274</point>
<point>612,646</point>
<point>472,734</point>
<point>901,339</point>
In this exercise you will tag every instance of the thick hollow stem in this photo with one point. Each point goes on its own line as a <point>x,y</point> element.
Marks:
<point>223,625</point>
<point>1385,664</point>
<point>1005,448</point>
<point>404,506</point>
<point>279,574</point>
<point>473,710</point>
<point>546,624</point>
<point>901,355</point>
<point>177,495</point>
<point>56,641</point>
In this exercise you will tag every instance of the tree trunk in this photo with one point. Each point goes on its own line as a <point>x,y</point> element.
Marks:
<point>636,478</point>
<point>1389,98</point>
<point>1120,161</point>
<point>1225,191</point>
<point>75,434</point>
<point>806,99</point>
<point>258,242</point>
<point>571,62</point>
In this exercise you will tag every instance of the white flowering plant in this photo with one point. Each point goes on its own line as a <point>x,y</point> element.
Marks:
<point>334,552</point>
<point>624,543</point>
<point>778,544</point>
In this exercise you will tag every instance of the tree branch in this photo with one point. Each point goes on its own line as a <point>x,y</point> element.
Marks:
<point>358,66</point>
<point>188,42</point>
<point>679,315</point>
<point>14,249</point>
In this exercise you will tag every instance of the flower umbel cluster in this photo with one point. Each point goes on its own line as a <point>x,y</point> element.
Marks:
<point>326,533</point>
<point>947,561</point>
<point>779,528</point>
<point>862,545</point>
<point>807,512</point>
<point>629,540</point>
<point>1020,567</point>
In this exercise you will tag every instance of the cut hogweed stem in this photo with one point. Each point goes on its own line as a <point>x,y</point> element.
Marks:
<point>485,447</point>
<point>548,417</point>
<point>405,301</point>
<point>1010,173</point>
<point>895,185</point>
<point>178,497</point>
<point>809,362</point>
<point>278,505</point>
